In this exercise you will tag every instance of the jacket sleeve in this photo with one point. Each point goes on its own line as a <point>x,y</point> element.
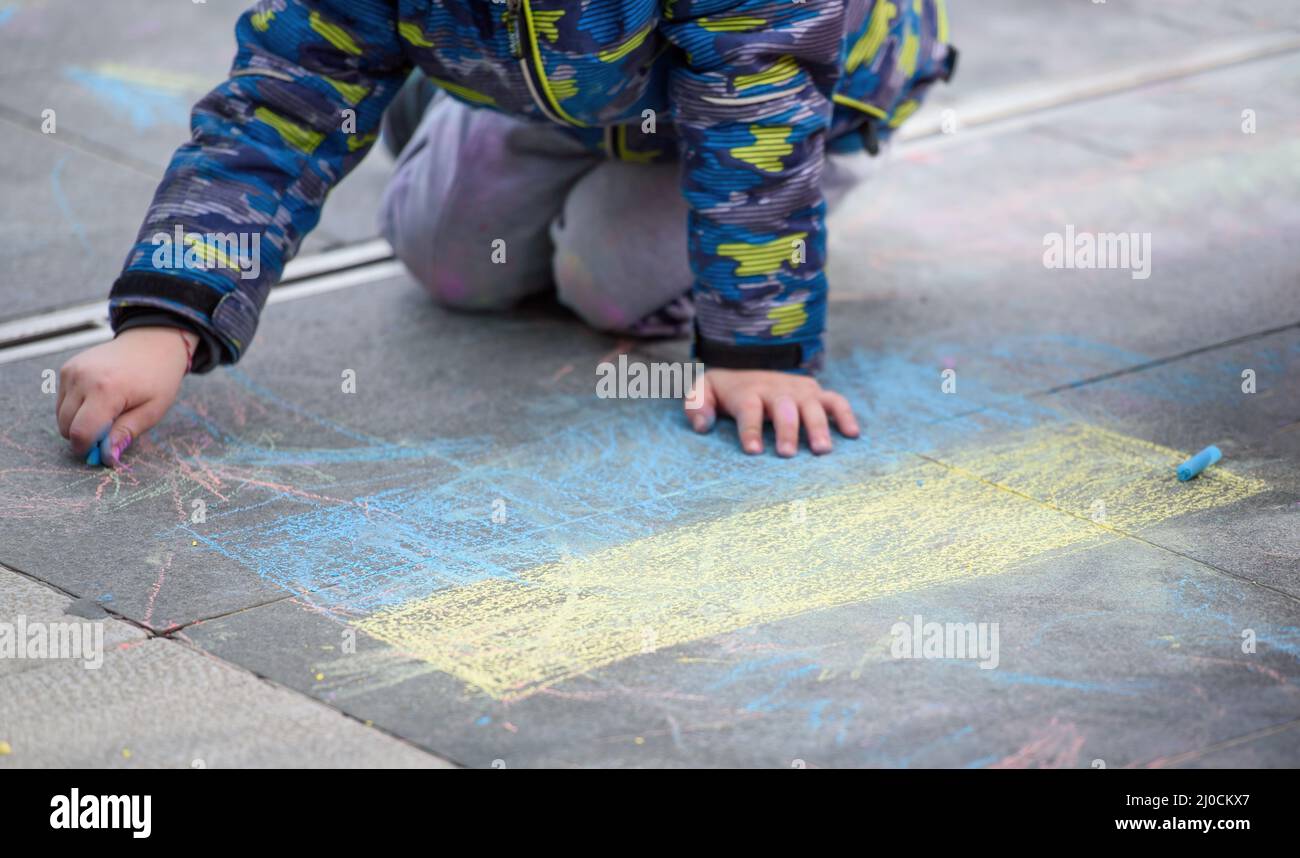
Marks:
<point>752,105</point>
<point>300,109</point>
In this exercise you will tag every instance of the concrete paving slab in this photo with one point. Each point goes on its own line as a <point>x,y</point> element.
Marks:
<point>122,85</point>
<point>1006,43</point>
<point>62,233</point>
<point>1268,748</point>
<point>1200,401</point>
<point>1123,653</point>
<point>505,568</point>
<point>950,237</point>
<point>280,433</point>
<point>25,603</point>
<point>161,704</point>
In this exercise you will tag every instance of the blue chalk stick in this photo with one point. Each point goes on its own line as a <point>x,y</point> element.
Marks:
<point>1199,462</point>
<point>95,458</point>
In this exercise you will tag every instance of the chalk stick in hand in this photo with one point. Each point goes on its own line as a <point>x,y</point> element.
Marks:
<point>94,458</point>
<point>1199,462</point>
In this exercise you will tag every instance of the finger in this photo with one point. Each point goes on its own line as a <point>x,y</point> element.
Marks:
<point>61,394</point>
<point>842,412</point>
<point>785,419</point>
<point>68,409</point>
<point>815,426</point>
<point>131,425</point>
<point>92,422</point>
<point>749,424</point>
<point>701,405</point>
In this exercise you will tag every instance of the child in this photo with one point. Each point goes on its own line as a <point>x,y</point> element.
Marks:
<point>663,164</point>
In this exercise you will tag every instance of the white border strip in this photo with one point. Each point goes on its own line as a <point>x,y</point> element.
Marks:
<point>97,313</point>
<point>1037,97</point>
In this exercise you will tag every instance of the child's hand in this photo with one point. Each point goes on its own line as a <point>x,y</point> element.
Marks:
<point>752,395</point>
<point>120,389</point>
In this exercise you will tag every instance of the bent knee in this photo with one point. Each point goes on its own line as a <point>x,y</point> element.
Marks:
<point>438,263</point>
<point>577,288</point>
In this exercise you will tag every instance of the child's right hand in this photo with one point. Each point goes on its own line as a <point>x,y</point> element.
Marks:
<point>120,389</point>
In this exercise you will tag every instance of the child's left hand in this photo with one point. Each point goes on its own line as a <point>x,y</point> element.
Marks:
<point>752,396</point>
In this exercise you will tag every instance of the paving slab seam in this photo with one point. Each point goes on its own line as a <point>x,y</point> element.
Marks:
<point>1164,361</point>
<point>1223,745</point>
<point>108,612</point>
<point>149,631</point>
<point>83,144</point>
<point>369,725</point>
<point>1070,138</point>
<point>1119,531</point>
<point>173,636</point>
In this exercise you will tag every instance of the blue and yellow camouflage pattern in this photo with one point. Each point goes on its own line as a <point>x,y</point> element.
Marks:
<point>748,94</point>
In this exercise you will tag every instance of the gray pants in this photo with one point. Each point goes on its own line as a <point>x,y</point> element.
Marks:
<point>484,210</point>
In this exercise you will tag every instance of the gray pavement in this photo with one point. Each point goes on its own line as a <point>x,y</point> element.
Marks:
<point>151,702</point>
<point>471,558</point>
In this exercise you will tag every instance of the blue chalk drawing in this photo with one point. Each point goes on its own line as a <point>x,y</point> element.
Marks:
<point>61,200</point>
<point>145,106</point>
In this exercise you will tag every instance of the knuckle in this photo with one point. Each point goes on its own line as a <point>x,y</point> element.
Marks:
<point>102,383</point>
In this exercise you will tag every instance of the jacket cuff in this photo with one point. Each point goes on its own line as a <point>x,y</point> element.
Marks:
<point>221,319</point>
<point>794,357</point>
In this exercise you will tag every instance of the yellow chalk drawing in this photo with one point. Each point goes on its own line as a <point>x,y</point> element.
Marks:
<point>779,72</point>
<point>294,134</point>
<point>929,523</point>
<point>412,33</point>
<point>1073,467</point>
<point>873,38</point>
<point>788,319</point>
<point>627,47</point>
<point>769,146</point>
<point>763,258</point>
<point>334,34</point>
<point>154,78</point>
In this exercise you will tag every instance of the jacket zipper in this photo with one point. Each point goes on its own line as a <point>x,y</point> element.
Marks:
<point>516,19</point>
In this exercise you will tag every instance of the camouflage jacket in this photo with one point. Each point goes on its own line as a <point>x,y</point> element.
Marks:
<point>749,94</point>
